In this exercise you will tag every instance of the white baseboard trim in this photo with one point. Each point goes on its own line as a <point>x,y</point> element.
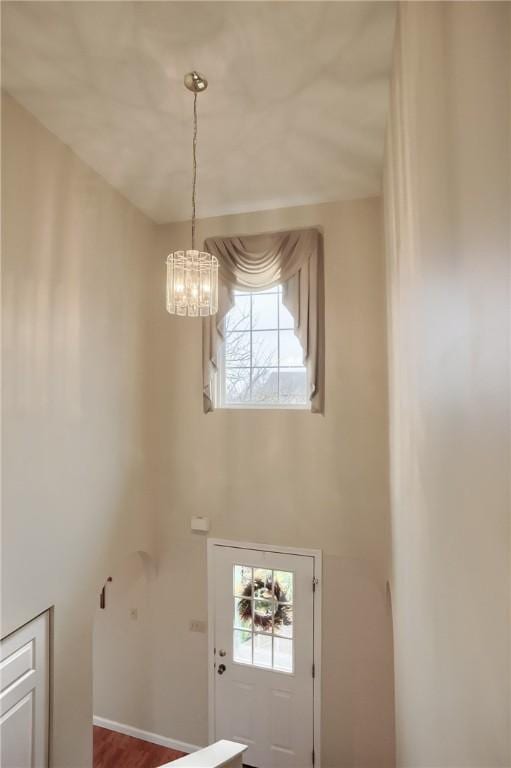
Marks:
<point>138,733</point>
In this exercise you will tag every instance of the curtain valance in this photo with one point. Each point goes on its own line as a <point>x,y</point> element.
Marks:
<point>259,262</point>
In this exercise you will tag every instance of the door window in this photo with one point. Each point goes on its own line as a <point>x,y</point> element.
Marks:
<point>263,618</point>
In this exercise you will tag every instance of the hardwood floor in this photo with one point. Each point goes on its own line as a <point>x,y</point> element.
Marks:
<point>114,750</point>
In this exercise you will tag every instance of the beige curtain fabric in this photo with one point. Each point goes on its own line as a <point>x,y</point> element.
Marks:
<point>258,262</point>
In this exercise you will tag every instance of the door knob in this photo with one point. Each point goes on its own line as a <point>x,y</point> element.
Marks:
<point>221,669</point>
<point>221,652</point>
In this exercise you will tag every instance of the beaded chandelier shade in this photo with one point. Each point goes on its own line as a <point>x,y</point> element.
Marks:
<point>192,275</point>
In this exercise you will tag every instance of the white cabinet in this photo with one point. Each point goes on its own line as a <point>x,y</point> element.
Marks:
<point>24,697</point>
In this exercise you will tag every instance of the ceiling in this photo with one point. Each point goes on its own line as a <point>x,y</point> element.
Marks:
<point>295,111</point>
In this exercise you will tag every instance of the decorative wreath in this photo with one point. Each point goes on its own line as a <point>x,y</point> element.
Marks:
<point>263,590</point>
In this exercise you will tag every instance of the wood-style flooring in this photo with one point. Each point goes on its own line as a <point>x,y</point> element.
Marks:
<point>114,750</point>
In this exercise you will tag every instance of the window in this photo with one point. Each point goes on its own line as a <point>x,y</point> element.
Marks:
<point>261,360</point>
<point>263,618</point>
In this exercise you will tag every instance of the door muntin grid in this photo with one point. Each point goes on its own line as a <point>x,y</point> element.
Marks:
<point>263,629</point>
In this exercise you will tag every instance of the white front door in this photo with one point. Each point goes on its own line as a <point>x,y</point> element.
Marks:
<point>264,654</point>
<point>24,697</point>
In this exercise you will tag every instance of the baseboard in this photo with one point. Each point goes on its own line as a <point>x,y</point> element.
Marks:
<point>138,733</point>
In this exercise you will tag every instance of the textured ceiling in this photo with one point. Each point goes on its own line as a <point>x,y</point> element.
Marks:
<point>295,112</point>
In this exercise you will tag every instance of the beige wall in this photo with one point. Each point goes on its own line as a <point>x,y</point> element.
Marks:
<point>448,224</point>
<point>74,371</point>
<point>287,477</point>
<point>103,425</point>
<point>122,643</point>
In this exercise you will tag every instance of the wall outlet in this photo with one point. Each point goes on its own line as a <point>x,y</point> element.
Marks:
<point>196,625</point>
<point>133,614</point>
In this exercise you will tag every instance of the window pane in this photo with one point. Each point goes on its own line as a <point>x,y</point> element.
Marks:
<point>263,583</point>
<point>265,348</point>
<point>259,338</point>
<point>264,311</point>
<point>284,586</point>
<point>237,385</point>
<point>265,385</point>
<point>290,349</point>
<point>286,319</point>
<point>237,349</point>
<point>293,386</point>
<point>283,621</point>
<point>263,627</point>
<point>238,319</point>
<point>242,646</point>
<point>262,650</point>
<point>283,654</point>
<point>243,613</point>
<point>263,615</point>
<point>242,578</point>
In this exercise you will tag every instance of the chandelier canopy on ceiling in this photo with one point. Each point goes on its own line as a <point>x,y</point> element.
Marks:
<point>192,275</point>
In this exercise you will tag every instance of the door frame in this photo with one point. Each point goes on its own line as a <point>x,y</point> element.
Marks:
<point>317,556</point>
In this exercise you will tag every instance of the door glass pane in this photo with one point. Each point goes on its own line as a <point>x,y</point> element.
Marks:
<point>283,621</point>
<point>284,586</point>
<point>242,647</point>
<point>262,650</point>
<point>242,578</point>
<point>283,654</point>
<point>242,613</point>
<point>263,617</point>
<point>263,581</point>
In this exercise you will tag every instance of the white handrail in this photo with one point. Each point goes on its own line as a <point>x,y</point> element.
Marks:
<point>222,753</point>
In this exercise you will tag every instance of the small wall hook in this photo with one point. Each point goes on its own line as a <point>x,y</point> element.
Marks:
<point>102,595</point>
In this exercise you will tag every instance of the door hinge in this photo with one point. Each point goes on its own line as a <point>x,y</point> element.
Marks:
<point>315,583</point>
<point>313,758</point>
<point>313,670</point>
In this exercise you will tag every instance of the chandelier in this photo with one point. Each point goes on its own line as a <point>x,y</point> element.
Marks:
<point>192,275</point>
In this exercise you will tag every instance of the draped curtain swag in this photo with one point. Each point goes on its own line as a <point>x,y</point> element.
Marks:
<point>259,262</point>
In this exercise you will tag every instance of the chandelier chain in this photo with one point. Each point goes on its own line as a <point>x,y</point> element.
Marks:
<point>192,276</point>
<point>194,155</point>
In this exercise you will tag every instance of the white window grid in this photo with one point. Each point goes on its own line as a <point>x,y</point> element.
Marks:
<point>273,635</point>
<point>221,374</point>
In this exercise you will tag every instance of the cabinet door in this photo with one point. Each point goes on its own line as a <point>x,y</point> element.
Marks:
<point>24,696</point>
